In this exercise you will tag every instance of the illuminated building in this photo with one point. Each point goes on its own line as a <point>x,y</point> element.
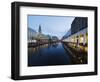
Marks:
<point>77,36</point>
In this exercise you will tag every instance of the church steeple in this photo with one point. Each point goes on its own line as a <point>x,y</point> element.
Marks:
<point>40,31</point>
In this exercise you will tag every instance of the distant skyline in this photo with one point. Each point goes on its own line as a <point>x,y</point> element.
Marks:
<point>50,25</point>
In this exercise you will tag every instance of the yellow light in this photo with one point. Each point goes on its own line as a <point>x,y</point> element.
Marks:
<point>81,39</point>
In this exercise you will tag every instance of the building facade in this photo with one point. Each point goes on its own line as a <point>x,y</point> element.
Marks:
<point>78,24</point>
<point>32,34</point>
<point>79,33</point>
<point>67,34</point>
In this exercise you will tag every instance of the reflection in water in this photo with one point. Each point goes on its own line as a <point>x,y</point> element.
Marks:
<point>77,57</point>
<point>32,50</point>
<point>53,54</point>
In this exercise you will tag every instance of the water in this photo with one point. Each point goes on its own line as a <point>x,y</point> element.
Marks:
<point>50,54</point>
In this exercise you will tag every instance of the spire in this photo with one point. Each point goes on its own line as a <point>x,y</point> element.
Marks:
<point>40,31</point>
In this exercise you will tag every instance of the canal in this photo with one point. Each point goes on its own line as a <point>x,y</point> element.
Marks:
<point>52,54</point>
